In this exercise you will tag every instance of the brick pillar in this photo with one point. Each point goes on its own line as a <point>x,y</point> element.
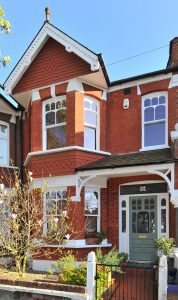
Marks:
<point>36,126</point>
<point>75,118</point>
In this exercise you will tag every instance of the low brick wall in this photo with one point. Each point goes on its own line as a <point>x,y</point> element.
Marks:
<point>6,295</point>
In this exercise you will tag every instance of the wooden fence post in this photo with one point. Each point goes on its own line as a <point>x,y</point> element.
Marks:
<point>162,278</point>
<point>91,273</point>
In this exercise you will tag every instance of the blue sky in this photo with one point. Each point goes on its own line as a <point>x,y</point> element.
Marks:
<point>117,29</point>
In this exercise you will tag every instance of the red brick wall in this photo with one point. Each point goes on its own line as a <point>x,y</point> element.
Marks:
<point>62,163</point>
<point>52,64</point>
<point>124,126</point>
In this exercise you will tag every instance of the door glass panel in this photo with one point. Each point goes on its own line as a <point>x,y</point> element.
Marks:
<point>163,202</point>
<point>143,222</point>
<point>134,222</point>
<point>123,203</point>
<point>124,221</point>
<point>163,220</point>
<point>152,204</point>
<point>152,222</point>
<point>146,204</point>
<point>139,204</point>
<point>133,204</point>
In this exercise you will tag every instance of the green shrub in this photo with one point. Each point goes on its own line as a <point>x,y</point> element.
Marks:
<point>165,245</point>
<point>69,270</point>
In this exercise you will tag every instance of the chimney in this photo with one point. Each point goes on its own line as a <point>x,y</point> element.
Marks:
<point>47,12</point>
<point>173,53</point>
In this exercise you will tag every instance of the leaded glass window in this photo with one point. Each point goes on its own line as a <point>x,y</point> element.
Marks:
<point>92,210</point>
<point>55,123</point>
<point>55,204</point>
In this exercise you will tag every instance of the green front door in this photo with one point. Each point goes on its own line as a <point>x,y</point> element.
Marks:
<point>143,227</point>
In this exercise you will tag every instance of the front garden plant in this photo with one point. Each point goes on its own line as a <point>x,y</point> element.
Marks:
<point>22,220</point>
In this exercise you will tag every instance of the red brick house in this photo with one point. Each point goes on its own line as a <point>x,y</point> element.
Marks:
<point>112,144</point>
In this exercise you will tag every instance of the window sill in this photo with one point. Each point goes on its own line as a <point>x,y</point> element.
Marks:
<point>154,148</point>
<point>73,244</point>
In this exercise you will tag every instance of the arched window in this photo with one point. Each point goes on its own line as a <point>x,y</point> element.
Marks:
<point>54,123</point>
<point>4,143</point>
<point>154,121</point>
<point>91,124</point>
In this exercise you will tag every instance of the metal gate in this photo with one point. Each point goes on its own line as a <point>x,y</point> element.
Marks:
<point>125,283</point>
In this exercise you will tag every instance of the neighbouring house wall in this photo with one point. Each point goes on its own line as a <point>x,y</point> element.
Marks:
<point>124,126</point>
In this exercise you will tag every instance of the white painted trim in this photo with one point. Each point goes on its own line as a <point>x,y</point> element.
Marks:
<point>49,31</point>
<point>132,83</point>
<point>104,95</point>
<point>55,181</point>
<point>173,81</point>
<point>30,154</point>
<point>35,95</point>
<point>75,85</point>
<point>127,170</point>
<point>53,87</point>
<point>138,90</point>
<point>13,119</point>
<point>151,95</point>
<point>78,246</point>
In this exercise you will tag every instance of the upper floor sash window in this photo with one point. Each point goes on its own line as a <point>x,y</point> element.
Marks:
<point>91,124</point>
<point>154,121</point>
<point>4,143</point>
<point>54,121</point>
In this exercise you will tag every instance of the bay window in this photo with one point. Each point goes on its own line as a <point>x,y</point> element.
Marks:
<point>54,120</point>
<point>154,121</point>
<point>4,143</point>
<point>92,210</point>
<point>55,202</point>
<point>91,124</point>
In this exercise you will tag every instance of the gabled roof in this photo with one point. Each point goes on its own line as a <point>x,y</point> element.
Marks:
<point>70,44</point>
<point>131,159</point>
<point>10,101</point>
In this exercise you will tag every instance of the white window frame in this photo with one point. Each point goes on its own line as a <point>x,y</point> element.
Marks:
<point>54,189</point>
<point>92,189</point>
<point>8,142</point>
<point>49,101</point>
<point>151,95</point>
<point>97,127</point>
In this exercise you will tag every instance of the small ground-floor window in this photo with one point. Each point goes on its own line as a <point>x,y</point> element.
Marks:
<point>92,210</point>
